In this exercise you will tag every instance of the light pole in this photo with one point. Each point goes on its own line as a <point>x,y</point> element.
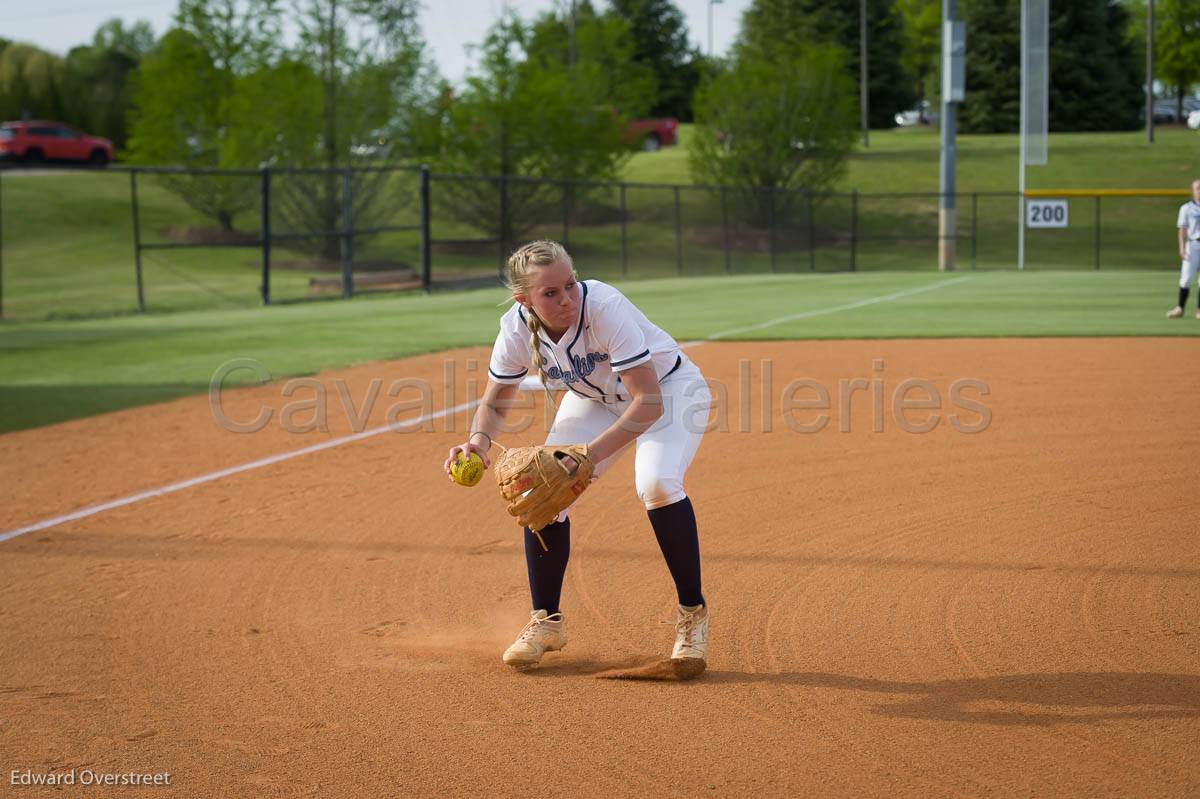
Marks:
<point>1150,72</point>
<point>954,43</point>
<point>863,73</point>
<point>571,35</point>
<point>711,3</point>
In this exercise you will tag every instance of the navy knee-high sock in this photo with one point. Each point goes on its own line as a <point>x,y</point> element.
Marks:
<point>675,528</point>
<point>546,569</point>
<point>1183,295</point>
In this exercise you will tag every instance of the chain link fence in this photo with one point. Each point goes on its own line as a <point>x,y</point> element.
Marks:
<point>80,243</point>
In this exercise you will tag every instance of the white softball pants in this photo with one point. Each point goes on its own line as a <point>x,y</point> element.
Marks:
<point>664,452</point>
<point>1190,266</point>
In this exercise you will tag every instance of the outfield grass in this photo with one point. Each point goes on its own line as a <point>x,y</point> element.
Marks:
<point>57,370</point>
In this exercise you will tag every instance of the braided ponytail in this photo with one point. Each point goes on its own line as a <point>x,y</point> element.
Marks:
<point>535,344</point>
<point>527,257</point>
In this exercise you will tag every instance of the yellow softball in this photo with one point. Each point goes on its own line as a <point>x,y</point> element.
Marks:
<point>467,472</point>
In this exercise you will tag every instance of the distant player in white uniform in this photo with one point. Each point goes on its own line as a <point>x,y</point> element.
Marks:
<point>1189,251</point>
<point>627,382</point>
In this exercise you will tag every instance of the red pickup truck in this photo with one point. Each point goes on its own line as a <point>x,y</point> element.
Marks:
<point>651,134</point>
<point>37,141</point>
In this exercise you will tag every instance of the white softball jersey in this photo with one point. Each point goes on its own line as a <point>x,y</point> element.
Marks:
<point>610,336</point>
<point>1189,220</point>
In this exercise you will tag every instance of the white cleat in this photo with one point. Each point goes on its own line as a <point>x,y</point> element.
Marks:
<point>691,633</point>
<point>544,633</point>
<point>1175,313</point>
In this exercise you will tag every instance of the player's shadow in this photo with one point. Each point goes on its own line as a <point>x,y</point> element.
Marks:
<point>1017,699</point>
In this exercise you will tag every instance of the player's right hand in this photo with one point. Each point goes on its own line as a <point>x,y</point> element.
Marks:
<point>465,449</point>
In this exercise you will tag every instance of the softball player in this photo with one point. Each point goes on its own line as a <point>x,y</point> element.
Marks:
<point>1189,250</point>
<point>626,381</point>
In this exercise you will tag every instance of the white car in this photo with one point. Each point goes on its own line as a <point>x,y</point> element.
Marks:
<point>1193,120</point>
<point>921,115</point>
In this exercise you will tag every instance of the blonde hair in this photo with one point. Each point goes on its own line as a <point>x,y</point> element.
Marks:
<point>520,264</point>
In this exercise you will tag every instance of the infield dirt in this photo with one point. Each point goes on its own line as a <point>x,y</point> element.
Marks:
<point>1014,611</point>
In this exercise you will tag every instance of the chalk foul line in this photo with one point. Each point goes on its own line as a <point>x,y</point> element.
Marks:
<point>83,513</point>
<point>850,306</point>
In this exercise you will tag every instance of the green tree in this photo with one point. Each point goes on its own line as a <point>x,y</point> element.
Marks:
<point>922,26</point>
<point>1094,75</point>
<point>605,58</point>
<point>373,70</point>
<point>182,111</point>
<point>176,116</point>
<point>238,35</point>
<point>14,88</point>
<point>777,120</point>
<point>280,118</point>
<point>993,99</point>
<point>1177,46</point>
<point>181,120</point>
<point>134,41</point>
<point>660,41</point>
<point>527,113</point>
<point>34,84</point>
<point>375,83</point>
<point>795,23</point>
<point>101,92</point>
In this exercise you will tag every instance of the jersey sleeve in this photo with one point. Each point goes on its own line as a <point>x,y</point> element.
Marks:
<point>625,339</point>
<point>1183,216</point>
<point>510,357</point>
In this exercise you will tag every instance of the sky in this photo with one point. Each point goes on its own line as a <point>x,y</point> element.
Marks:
<point>449,25</point>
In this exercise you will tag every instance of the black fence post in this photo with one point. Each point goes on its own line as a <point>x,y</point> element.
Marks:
<point>624,238</point>
<point>426,254</point>
<point>854,231</point>
<point>771,226</point>
<point>974,226</point>
<point>1097,231</point>
<point>347,236</point>
<point>137,241</point>
<point>678,234</point>
<point>725,230</point>
<point>812,234</point>
<point>265,225</point>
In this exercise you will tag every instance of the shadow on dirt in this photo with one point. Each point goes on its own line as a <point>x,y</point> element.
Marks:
<point>1021,699</point>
